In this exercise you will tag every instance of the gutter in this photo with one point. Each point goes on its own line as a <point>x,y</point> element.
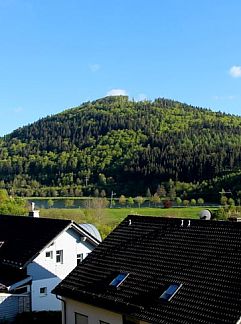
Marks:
<point>63,308</point>
<point>239,321</point>
<point>20,283</point>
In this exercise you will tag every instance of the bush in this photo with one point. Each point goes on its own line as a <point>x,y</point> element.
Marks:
<point>167,203</point>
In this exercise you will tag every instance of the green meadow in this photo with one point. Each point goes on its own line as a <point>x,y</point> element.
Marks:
<point>108,218</point>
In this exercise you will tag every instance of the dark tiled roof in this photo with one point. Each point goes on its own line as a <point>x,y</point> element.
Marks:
<point>24,237</point>
<point>204,257</point>
<point>11,275</point>
<point>3,288</point>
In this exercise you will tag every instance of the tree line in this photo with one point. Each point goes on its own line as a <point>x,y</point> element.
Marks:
<point>117,144</point>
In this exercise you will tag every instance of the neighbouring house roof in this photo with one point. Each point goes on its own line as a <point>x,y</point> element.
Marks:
<point>22,238</point>
<point>3,288</point>
<point>92,230</point>
<point>154,256</point>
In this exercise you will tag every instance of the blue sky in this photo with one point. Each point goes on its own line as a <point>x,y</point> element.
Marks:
<point>56,54</point>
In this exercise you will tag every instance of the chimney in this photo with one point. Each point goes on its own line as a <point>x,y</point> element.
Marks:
<point>33,212</point>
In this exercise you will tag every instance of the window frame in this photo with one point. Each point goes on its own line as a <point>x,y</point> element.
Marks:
<point>60,256</point>
<point>83,315</point>
<point>79,257</point>
<point>166,294</point>
<point>119,282</point>
<point>44,293</point>
<point>50,256</point>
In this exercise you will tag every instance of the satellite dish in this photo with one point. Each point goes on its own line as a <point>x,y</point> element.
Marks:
<point>205,214</point>
<point>91,229</point>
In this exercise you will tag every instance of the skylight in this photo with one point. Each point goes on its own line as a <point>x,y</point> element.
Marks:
<point>170,291</point>
<point>119,279</point>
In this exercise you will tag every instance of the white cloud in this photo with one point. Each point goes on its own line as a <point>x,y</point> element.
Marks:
<point>94,67</point>
<point>235,71</point>
<point>117,92</point>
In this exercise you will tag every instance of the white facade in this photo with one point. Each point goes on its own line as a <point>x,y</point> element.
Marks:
<point>52,265</point>
<point>95,315</point>
<point>11,305</point>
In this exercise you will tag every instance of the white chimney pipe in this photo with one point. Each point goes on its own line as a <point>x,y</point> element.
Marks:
<point>33,212</point>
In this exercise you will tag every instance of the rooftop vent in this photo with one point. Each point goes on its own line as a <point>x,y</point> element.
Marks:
<point>33,212</point>
<point>205,214</point>
<point>234,219</point>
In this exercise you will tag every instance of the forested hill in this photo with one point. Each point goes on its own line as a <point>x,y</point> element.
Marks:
<point>117,143</point>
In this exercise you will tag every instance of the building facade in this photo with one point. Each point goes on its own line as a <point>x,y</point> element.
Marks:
<point>46,250</point>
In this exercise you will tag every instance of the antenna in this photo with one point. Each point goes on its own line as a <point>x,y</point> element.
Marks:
<point>111,198</point>
<point>32,206</point>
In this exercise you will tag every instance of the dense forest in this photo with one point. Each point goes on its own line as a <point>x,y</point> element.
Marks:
<point>115,144</point>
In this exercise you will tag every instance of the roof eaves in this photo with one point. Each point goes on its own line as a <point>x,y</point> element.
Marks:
<point>97,300</point>
<point>46,245</point>
<point>20,283</point>
<point>14,264</point>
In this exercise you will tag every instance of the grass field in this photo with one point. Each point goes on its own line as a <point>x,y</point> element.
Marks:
<point>106,219</point>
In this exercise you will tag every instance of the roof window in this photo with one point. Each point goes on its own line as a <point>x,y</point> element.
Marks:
<point>117,281</point>
<point>170,291</point>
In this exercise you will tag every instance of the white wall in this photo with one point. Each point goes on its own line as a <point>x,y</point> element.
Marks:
<point>71,246</point>
<point>46,301</point>
<point>95,314</point>
<point>47,273</point>
<point>11,305</point>
<point>8,307</point>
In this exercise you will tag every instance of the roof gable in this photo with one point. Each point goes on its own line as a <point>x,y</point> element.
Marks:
<point>203,257</point>
<point>24,237</point>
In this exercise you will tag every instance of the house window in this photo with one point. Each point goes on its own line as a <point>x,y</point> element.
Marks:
<point>130,320</point>
<point>81,319</point>
<point>119,279</point>
<point>59,256</point>
<point>49,254</point>
<point>170,291</point>
<point>43,291</point>
<point>80,257</point>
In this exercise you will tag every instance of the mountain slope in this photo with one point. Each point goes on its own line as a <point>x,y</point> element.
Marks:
<point>116,143</point>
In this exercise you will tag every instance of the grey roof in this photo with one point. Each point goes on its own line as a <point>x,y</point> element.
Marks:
<point>92,230</point>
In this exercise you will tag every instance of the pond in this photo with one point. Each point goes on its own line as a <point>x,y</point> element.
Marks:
<point>76,203</point>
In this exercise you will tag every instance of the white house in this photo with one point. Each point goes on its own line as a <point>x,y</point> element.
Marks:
<point>35,255</point>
